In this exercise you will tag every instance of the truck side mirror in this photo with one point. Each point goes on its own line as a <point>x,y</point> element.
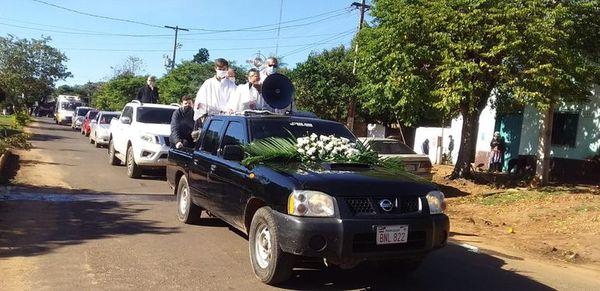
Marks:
<point>125,120</point>
<point>233,153</point>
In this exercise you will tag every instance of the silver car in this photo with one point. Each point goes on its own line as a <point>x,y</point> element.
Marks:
<point>99,126</point>
<point>417,164</point>
<point>79,116</point>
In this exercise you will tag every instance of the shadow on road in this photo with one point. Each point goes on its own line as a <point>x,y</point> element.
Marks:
<point>32,228</point>
<point>45,137</point>
<point>452,268</point>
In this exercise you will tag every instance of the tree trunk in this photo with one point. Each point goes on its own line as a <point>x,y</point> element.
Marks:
<point>542,170</point>
<point>468,142</point>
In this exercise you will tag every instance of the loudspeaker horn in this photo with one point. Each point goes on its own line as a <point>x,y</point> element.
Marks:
<point>278,91</point>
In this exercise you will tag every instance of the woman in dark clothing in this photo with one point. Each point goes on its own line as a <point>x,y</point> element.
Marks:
<point>497,153</point>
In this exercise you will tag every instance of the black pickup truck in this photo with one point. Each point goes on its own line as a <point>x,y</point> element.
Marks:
<point>342,213</point>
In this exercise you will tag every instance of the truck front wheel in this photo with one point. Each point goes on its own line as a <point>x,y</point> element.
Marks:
<point>112,158</point>
<point>270,264</point>
<point>187,211</point>
<point>133,170</point>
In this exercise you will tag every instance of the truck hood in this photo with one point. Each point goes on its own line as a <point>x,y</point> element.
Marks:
<point>155,129</point>
<point>353,179</point>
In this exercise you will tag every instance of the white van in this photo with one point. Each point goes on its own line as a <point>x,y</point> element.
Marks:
<point>65,108</point>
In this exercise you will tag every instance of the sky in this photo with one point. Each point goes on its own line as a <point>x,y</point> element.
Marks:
<point>98,35</point>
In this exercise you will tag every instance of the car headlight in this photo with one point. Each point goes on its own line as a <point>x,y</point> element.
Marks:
<point>311,203</point>
<point>436,202</point>
<point>148,138</point>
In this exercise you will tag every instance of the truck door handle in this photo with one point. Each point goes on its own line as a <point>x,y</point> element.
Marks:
<point>196,162</point>
<point>213,167</point>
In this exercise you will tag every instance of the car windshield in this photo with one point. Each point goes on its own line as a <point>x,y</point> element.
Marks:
<point>82,111</point>
<point>70,105</point>
<point>106,118</point>
<point>154,115</point>
<point>390,147</point>
<point>283,127</point>
<point>93,114</point>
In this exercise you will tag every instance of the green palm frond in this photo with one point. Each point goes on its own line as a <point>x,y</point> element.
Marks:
<point>391,163</point>
<point>269,149</point>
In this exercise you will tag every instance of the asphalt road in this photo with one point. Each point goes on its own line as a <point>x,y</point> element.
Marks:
<point>123,234</point>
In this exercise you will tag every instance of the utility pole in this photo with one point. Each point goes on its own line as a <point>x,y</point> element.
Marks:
<point>352,105</point>
<point>177,29</point>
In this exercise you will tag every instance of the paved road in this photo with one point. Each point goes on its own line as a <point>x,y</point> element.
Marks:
<point>114,238</point>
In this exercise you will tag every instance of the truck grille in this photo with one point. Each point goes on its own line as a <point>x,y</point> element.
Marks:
<point>370,205</point>
<point>360,206</point>
<point>366,242</point>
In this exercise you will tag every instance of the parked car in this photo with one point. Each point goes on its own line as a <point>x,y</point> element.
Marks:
<point>79,116</point>
<point>99,127</point>
<point>140,137</point>
<point>338,212</point>
<point>417,164</point>
<point>65,108</point>
<point>85,128</point>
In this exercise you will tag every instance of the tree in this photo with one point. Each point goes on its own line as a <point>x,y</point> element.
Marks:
<point>114,94</point>
<point>324,83</point>
<point>453,54</point>
<point>201,57</point>
<point>85,91</point>
<point>131,66</point>
<point>30,67</point>
<point>184,79</point>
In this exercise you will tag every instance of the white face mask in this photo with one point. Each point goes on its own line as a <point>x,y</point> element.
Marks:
<point>232,79</point>
<point>271,70</point>
<point>222,74</point>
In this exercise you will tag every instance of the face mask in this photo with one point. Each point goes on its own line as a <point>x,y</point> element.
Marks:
<point>221,74</point>
<point>232,79</point>
<point>271,70</point>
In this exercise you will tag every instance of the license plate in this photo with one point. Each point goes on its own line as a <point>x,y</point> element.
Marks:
<point>392,234</point>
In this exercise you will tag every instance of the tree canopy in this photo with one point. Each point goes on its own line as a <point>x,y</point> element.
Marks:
<point>114,94</point>
<point>454,54</point>
<point>30,67</point>
<point>202,56</point>
<point>324,83</point>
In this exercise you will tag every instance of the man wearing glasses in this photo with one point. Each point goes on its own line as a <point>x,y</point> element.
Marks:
<point>271,67</point>
<point>247,96</point>
<point>213,95</point>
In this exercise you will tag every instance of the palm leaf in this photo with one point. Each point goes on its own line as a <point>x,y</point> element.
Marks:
<point>271,148</point>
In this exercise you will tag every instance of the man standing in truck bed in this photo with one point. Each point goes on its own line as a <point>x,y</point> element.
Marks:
<point>148,93</point>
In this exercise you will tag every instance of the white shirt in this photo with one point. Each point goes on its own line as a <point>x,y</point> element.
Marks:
<point>243,97</point>
<point>212,97</point>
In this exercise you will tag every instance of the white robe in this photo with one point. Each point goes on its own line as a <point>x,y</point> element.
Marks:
<point>212,97</point>
<point>243,98</point>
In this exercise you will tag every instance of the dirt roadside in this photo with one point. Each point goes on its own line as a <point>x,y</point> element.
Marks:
<point>558,224</point>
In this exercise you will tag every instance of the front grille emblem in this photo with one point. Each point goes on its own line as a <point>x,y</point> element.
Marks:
<point>386,205</point>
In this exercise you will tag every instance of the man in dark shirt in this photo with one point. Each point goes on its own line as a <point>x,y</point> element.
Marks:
<point>148,93</point>
<point>182,124</point>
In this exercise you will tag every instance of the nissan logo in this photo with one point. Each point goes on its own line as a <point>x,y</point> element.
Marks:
<point>386,205</point>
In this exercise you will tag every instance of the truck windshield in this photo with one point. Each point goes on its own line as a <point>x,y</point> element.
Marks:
<point>154,115</point>
<point>282,128</point>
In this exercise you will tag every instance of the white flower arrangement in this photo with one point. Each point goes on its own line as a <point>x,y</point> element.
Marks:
<point>326,148</point>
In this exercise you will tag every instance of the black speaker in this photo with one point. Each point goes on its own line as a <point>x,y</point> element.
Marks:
<point>278,91</point>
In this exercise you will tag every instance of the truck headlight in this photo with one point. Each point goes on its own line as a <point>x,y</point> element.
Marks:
<point>148,138</point>
<point>436,202</point>
<point>311,203</point>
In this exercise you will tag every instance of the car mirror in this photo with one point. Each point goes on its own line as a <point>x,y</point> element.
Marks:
<point>233,153</point>
<point>125,120</point>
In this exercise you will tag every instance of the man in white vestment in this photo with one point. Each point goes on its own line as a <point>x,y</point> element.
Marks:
<point>213,95</point>
<point>246,95</point>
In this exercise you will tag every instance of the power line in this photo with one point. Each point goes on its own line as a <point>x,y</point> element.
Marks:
<point>323,41</point>
<point>97,16</point>
<point>86,33</point>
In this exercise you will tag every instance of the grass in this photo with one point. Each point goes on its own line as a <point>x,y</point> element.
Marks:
<point>514,195</point>
<point>6,126</point>
<point>587,208</point>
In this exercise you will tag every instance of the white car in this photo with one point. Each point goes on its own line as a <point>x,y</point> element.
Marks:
<point>79,116</point>
<point>417,164</point>
<point>99,127</point>
<point>140,137</point>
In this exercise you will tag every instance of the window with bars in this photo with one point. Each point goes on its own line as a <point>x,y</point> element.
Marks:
<point>564,129</point>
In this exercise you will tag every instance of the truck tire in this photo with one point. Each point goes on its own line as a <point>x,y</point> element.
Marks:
<point>187,211</point>
<point>133,170</point>
<point>270,264</point>
<point>112,158</point>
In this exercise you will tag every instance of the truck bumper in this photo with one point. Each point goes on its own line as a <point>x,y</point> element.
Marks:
<point>355,239</point>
